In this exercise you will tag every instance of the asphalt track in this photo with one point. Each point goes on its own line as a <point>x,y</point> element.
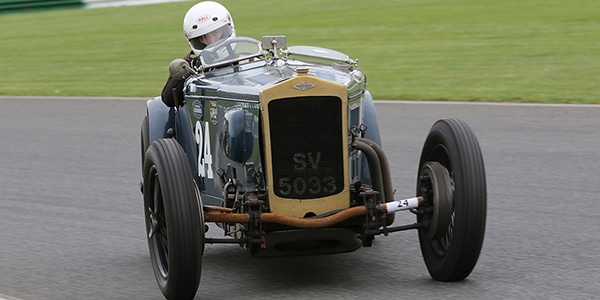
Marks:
<point>71,220</point>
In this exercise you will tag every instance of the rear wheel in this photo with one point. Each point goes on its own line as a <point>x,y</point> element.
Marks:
<point>174,220</point>
<point>452,182</point>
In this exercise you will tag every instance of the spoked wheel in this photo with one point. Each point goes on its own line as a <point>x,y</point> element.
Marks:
<point>174,220</point>
<point>452,182</point>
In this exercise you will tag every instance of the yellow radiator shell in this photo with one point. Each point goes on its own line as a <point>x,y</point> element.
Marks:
<point>305,85</point>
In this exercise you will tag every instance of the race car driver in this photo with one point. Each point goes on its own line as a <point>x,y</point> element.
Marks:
<point>203,24</point>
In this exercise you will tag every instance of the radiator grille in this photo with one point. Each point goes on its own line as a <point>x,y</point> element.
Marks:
<point>307,146</point>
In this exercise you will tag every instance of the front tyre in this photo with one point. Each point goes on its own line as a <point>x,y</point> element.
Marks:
<point>452,182</point>
<point>174,220</point>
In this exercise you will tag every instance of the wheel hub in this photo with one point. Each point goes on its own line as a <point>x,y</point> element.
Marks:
<point>437,191</point>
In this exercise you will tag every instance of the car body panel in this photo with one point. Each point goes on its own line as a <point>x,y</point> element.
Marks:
<point>219,124</point>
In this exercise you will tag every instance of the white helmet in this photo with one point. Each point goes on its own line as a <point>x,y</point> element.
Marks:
<point>204,18</point>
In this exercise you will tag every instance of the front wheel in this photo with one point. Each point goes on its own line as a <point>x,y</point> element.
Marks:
<point>174,220</point>
<point>452,182</point>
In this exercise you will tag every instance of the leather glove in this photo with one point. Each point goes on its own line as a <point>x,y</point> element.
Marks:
<point>180,69</point>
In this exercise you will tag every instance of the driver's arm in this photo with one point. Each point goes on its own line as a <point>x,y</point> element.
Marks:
<point>177,83</point>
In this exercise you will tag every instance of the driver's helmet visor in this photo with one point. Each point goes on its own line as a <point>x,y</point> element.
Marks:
<point>218,34</point>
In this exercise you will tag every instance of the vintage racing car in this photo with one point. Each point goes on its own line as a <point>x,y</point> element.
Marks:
<point>280,147</point>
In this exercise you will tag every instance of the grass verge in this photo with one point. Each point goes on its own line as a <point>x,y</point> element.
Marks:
<point>524,51</point>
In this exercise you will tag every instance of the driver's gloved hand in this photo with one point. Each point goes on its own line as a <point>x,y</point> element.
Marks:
<point>180,69</point>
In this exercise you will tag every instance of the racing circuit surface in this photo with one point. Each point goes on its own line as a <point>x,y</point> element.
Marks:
<point>71,220</point>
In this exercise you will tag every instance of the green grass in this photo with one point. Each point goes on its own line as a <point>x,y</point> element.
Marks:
<point>510,50</point>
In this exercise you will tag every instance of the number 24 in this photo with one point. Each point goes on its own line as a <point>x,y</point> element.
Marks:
<point>205,160</point>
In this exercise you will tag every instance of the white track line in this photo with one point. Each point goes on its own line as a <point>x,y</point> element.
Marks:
<point>424,102</point>
<point>5,297</point>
